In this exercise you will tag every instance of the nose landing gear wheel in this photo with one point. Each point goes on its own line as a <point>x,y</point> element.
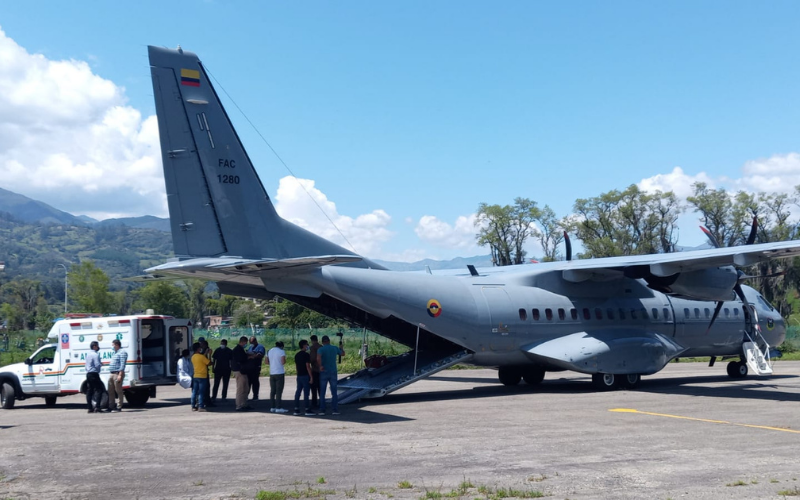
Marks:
<point>737,369</point>
<point>604,381</point>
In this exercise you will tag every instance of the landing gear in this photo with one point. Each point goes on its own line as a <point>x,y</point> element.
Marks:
<point>509,375</point>
<point>737,369</point>
<point>604,381</point>
<point>630,381</point>
<point>533,376</point>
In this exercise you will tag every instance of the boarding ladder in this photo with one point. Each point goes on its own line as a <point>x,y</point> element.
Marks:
<point>396,374</point>
<point>756,349</point>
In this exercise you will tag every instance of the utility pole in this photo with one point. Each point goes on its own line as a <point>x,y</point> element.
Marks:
<point>66,276</point>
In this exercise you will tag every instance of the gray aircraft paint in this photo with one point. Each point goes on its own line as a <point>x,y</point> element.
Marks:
<point>226,229</point>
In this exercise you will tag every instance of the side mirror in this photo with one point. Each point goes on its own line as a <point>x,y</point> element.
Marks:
<point>28,361</point>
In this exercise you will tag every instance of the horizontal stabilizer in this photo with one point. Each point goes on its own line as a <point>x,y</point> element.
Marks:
<point>295,264</point>
<point>218,268</point>
<point>146,278</point>
<point>605,351</point>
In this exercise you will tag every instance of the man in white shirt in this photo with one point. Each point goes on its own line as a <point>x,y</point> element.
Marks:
<point>276,359</point>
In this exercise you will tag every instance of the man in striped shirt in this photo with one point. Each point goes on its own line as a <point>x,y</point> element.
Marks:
<point>117,370</point>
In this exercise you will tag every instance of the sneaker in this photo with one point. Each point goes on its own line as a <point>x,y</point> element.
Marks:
<point>320,412</point>
<point>117,409</point>
<point>272,410</point>
<point>310,413</point>
<point>201,409</point>
<point>335,412</point>
<point>296,411</point>
<point>281,410</point>
<point>194,408</point>
<point>92,410</point>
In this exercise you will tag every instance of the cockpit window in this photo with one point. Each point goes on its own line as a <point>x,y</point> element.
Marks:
<point>764,303</point>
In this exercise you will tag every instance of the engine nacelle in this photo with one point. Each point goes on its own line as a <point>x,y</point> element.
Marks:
<point>704,284</point>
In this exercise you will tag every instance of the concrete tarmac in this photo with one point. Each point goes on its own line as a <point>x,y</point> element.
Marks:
<point>687,432</point>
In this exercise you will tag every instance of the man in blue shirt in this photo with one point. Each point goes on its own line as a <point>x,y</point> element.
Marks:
<point>94,386</point>
<point>117,370</point>
<point>326,359</point>
<point>256,353</point>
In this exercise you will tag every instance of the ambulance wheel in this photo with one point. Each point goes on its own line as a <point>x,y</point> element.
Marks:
<point>137,398</point>
<point>605,381</point>
<point>737,369</point>
<point>7,396</point>
<point>631,381</point>
<point>509,375</point>
<point>50,401</point>
<point>533,376</point>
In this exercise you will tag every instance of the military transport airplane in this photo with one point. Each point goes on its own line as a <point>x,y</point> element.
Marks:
<point>614,318</point>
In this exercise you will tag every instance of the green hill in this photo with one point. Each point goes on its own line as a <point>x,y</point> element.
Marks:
<point>35,250</point>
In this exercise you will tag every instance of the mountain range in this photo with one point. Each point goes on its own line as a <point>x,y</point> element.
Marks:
<point>38,213</point>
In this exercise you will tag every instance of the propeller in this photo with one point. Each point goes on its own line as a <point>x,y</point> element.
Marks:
<point>751,238</point>
<point>568,244</point>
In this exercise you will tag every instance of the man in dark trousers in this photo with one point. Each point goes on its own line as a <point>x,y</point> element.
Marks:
<point>222,369</point>
<point>94,386</point>
<point>312,351</point>
<point>239,363</point>
<point>256,353</point>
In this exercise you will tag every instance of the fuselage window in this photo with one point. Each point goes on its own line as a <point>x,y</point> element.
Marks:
<point>523,314</point>
<point>707,312</point>
<point>562,314</point>
<point>697,313</point>
<point>573,314</point>
<point>666,313</point>
<point>736,312</point>
<point>586,313</point>
<point>621,313</point>
<point>727,312</point>
<point>763,302</point>
<point>633,314</point>
<point>655,313</point>
<point>598,313</point>
<point>610,313</point>
<point>535,314</point>
<point>548,313</point>
<point>686,313</point>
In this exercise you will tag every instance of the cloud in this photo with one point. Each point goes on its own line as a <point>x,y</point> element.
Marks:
<point>301,203</point>
<point>68,138</point>
<point>676,181</point>
<point>435,231</point>
<point>776,174</point>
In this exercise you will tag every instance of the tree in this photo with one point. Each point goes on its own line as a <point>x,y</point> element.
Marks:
<point>21,296</point>
<point>505,229</point>
<point>550,234</point>
<point>248,314</point>
<point>196,290</point>
<point>89,288</point>
<point>629,222</point>
<point>163,297</point>
<point>293,316</point>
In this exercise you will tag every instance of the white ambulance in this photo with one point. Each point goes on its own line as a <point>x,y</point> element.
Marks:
<point>153,343</point>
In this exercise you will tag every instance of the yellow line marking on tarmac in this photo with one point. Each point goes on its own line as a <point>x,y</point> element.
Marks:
<point>629,410</point>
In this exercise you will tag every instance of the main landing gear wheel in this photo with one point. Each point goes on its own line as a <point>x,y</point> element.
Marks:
<point>508,375</point>
<point>630,381</point>
<point>737,369</point>
<point>533,376</point>
<point>604,381</point>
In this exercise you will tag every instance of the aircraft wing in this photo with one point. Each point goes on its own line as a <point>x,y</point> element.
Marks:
<point>674,263</point>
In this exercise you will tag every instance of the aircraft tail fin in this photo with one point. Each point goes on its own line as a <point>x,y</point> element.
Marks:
<point>217,204</point>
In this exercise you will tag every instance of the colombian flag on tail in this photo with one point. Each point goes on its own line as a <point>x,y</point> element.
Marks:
<point>190,77</point>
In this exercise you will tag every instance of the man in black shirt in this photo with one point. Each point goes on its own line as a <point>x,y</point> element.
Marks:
<point>312,350</point>
<point>222,369</point>
<point>239,364</point>
<point>302,361</point>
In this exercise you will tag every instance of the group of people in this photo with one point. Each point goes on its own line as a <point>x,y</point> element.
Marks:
<point>100,398</point>
<point>315,363</point>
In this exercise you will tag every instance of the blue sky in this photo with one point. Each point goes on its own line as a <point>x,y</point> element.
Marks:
<point>429,108</point>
